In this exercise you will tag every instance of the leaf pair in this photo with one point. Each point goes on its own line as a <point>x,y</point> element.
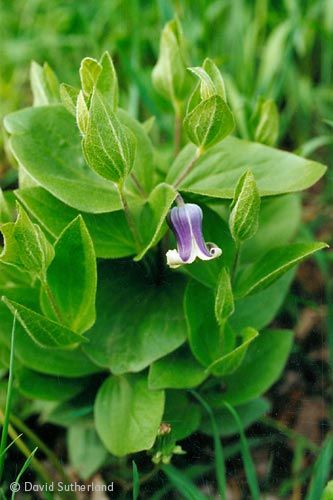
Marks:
<point>68,280</point>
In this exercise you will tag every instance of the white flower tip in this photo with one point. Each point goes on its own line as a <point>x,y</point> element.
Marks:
<point>173,259</point>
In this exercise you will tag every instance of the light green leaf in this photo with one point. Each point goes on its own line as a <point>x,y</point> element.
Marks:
<point>209,122</point>
<point>207,87</point>
<point>44,332</point>
<point>151,217</point>
<point>68,96</point>
<point>216,173</point>
<point>211,83</point>
<point>109,232</point>
<point>47,143</point>
<point>322,470</point>
<point>82,113</point>
<point>229,362</point>
<point>260,309</point>
<point>272,265</point>
<point>86,452</point>
<point>25,246</point>
<point>44,84</point>
<point>267,129</point>
<point>128,414</point>
<point>244,216</point>
<point>248,413</point>
<point>72,278</point>
<point>157,326</point>
<point>107,82</point>
<point>108,146</point>
<point>262,366</point>
<point>328,491</point>
<point>170,77</point>
<point>181,414</point>
<point>178,370</point>
<point>36,386</point>
<point>224,300</point>
<point>90,70</point>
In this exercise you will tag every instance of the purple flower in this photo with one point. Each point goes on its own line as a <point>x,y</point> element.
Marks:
<point>186,223</point>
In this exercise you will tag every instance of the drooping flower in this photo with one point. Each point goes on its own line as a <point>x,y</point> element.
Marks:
<point>185,220</point>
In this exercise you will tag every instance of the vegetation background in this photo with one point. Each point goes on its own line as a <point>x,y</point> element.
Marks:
<point>280,50</point>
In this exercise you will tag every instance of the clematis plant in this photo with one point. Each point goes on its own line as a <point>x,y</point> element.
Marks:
<point>110,340</point>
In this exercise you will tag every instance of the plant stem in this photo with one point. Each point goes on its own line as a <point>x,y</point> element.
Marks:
<point>189,167</point>
<point>129,217</point>
<point>52,300</point>
<point>5,422</point>
<point>138,185</point>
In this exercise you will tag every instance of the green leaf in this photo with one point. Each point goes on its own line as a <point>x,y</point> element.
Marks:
<point>67,363</point>
<point>216,230</point>
<point>322,470</point>
<point>26,247</point>
<point>72,278</point>
<point>224,300</point>
<point>279,219</point>
<point>68,96</point>
<point>216,173</point>
<point>107,82</point>
<point>272,265</point>
<point>204,334</point>
<point>143,168</point>
<point>260,309</point>
<point>44,332</point>
<point>46,141</point>
<point>86,452</point>
<point>36,386</point>
<point>44,84</point>
<point>128,414</point>
<point>109,232</point>
<point>170,77</point>
<point>90,70</point>
<point>244,216</point>
<point>248,413</point>
<point>151,217</point>
<point>229,362</point>
<point>155,308</point>
<point>178,370</point>
<point>108,146</point>
<point>267,129</point>
<point>211,83</point>
<point>262,366</point>
<point>209,122</point>
<point>181,414</point>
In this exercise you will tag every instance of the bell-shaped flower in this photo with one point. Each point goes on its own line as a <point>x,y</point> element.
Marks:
<point>185,221</point>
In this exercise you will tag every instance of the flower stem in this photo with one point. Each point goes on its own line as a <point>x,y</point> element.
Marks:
<point>138,185</point>
<point>236,261</point>
<point>129,217</point>
<point>188,168</point>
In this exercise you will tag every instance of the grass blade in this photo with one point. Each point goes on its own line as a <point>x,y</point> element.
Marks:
<point>23,469</point>
<point>136,483</point>
<point>321,470</point>
<point>181,482</point>
<point>250,471</point>
<point>219,457</point>
<point>4,433</point>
